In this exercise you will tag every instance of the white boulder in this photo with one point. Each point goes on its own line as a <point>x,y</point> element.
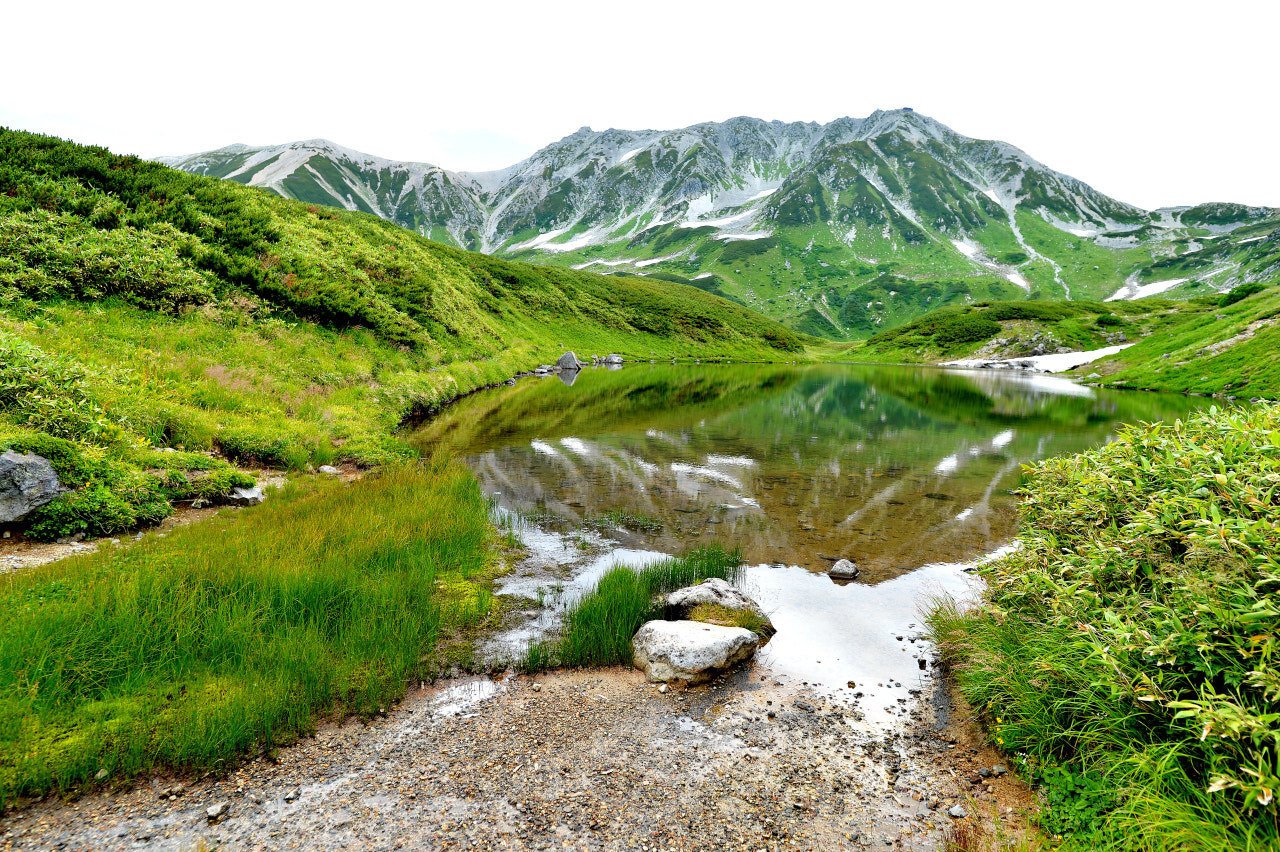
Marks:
<point>843,570</point>
<point>690,651</point>
<point>244,497</point>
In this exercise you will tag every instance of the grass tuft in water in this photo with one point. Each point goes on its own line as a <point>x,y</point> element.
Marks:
<point>228,637</point>
<point>599,626</point>
<point>625,518</point>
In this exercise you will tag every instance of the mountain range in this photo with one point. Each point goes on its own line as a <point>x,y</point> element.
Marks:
<point>837,229</point>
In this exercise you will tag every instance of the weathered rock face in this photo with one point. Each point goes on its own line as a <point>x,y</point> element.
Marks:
<point>690,651</point>
<point>27,482</point>
<point>843,570</point>
<point>715,592</point>
<point>569,361</point>
<point>244,497</point>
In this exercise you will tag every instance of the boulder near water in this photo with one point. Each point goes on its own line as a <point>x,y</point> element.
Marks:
<point>27,482</point>
<point>716,593</point>
<point>689,650</point>
<point>569,361</point>
<point>612,359</point>
<point>843,570</point>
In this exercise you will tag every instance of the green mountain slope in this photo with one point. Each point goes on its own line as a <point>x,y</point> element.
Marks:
<point>144,307</point>
<point>842,229</point>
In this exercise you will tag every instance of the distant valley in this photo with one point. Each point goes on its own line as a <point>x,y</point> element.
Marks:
<point>838,230</point>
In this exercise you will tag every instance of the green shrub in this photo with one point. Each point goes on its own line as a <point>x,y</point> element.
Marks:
<point>1131,643</point>
<point>76,464</point>
<point>1109,320</point>
<point>1033,310</point>
<point>965,328</point>
<point>92,511</point>
<point>1240,293</point>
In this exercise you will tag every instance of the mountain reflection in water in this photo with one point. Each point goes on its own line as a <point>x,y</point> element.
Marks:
<point>893,467</point>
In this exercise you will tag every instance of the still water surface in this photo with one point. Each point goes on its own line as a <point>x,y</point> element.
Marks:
<point>908,471</point>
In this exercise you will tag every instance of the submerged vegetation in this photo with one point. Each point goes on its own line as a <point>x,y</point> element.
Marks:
<point>228,637</point>
<point>1128,651</point>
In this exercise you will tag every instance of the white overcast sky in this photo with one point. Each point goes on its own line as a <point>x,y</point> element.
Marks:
<point>1155,103</point>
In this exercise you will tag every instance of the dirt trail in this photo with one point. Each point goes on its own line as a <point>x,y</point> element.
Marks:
<point>587,760</point>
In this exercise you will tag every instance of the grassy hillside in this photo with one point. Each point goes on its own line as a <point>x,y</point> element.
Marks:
<point>143,307</point>
<point>1220,344</point>
<point>1217,345</point>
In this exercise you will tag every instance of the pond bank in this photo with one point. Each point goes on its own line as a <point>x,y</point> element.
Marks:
<point>595,759</point>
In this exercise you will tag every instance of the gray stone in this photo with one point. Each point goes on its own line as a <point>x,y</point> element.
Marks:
<point>329,469</point>
<point>843,570</point>
<point>27,482</point>
<point>218,811</point>
<point>569,361</point>
<point>244,497</point>
<point>690,651</point>
<point>957,812</point>
<point>612,359</point>
<point>999,770</point>
<point>293,794</point>
<point>717,592</point>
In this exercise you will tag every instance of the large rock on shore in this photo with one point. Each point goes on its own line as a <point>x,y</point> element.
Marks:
<point>27,482</point>
<point>715,592</point>
<point>689,650</point>
<point>569,361</point>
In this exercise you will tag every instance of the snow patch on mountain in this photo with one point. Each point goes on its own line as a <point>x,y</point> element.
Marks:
<point>1132,290</point>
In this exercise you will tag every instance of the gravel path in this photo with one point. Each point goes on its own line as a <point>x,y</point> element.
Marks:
<point>578,760</point>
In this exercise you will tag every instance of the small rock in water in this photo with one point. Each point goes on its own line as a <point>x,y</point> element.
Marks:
<point>218,811</point>
<point>957,812</point>
<point>843,570</point>
<point>292,795</point>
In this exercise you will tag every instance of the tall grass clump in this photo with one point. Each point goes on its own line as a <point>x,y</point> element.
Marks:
<point>1129,652</point>
<point>598,626</point>
<point>231,636</point>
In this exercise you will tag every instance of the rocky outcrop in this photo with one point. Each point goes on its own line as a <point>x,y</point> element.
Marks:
<point>716,593</point>
<point>611,359</point>
<point>843,570</point>
<point>27,482</point>
<point>689,650</point>
<point>569,361</point>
